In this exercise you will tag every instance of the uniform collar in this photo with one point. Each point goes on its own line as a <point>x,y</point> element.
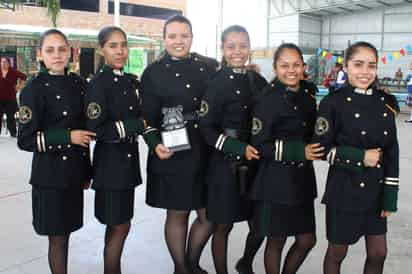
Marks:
<point>117,72</point>
<point>234,71</point>
<point>282,86</point>
<point>239,70</point>
<point>368,91</point>
<point>45,71</point>
<point>175,59</point>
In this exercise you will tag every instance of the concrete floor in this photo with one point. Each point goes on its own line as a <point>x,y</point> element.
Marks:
<point>23,252</point>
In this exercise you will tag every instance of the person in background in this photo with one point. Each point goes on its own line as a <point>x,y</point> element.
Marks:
<point>340,77</point>
<point>11,80</point>
<point>409,98</point>
<point>398,77</point>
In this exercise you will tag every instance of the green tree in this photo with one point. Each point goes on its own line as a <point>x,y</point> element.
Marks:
<point>53,7</point>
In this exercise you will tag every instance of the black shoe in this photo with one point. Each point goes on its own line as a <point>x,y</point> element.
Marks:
<point>14,135</point>
<point>408,121</point>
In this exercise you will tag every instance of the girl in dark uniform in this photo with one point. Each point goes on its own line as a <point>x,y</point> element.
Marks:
<point>51,123</point>
<point>113,112</point>
<point>285,184</point>
<point>226,123</point>
<point>357,128</point>
<point>172,88</point>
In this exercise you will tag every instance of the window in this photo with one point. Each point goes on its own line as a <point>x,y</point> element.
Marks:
<point>143,11</point>
<point>81,5</point>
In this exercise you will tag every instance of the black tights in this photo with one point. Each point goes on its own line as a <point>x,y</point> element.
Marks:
<point>295,257</point>
<point>219,249</point>
<point>176,227</point>
<point>376,251</point>
<point>114,241</point>
<point>58,254</point>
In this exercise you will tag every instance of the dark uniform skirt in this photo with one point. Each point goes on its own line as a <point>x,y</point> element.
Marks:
<point>347,227</point>
<point>164,191</point>
<point>114,207</point>
<point>57,212</point>
<point>225,204</point>
<point>277,220</point>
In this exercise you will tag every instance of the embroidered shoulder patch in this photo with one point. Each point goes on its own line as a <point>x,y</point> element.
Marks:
<point>204,108</point>
<point>93,111</point>
<point>25,114</point>
<point>322,126</point>
<point>257,126</point>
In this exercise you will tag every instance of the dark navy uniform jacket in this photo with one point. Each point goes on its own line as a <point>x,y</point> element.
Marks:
<point>51,106</point>
<point>169,83</point>
<point>282,126</point>
<point>114,114</point>
<point>351,121</point>
<point>227,115</point>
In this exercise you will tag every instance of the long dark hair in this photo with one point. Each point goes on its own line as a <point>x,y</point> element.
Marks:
<point>352,49</point>
<point>284,46</point>
<point>104,34</point>
<point>177,18</point>
<point>227,31</point>
<point>44,35</point>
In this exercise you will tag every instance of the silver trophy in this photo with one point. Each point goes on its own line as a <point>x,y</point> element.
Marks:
<point>174,134</point>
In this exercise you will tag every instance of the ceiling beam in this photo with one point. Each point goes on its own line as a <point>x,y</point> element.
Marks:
<point>345,9</point>
<point>362,6</point>
<point>384,3</point>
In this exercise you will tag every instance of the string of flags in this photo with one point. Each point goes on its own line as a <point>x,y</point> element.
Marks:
<point>393,56</point>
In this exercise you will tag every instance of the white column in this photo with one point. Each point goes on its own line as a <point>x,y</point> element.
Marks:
<point>219,28</point>
<point>117,13</point>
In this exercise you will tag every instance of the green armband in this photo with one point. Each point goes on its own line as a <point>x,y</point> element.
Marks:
<point>390,198</point>
<point>352,154</point>
<point>133,126</point>
<point>57,137</point>
<point>294,151</point>
<point>232,145</point>
<point>152,138</point>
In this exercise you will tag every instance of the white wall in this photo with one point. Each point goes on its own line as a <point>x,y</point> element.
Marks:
<point>309,31</point>
<point>284,29</point>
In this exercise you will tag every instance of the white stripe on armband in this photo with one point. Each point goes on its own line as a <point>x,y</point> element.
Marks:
<point>219,139</point>
<point>222,143</point>
<point>43,141</point>
<point>276,150</point>
<point>331,156</point>
<point>280,150</point>
<point>120,130</point>
<point>123,129</point>
<point>38,140</point>
<point>392,181</point>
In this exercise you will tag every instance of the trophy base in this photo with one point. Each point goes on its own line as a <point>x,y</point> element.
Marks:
<point>176,140</point>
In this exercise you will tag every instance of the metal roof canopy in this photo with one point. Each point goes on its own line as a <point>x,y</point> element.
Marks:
<point>319,8</point>
<point>33,32</point>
